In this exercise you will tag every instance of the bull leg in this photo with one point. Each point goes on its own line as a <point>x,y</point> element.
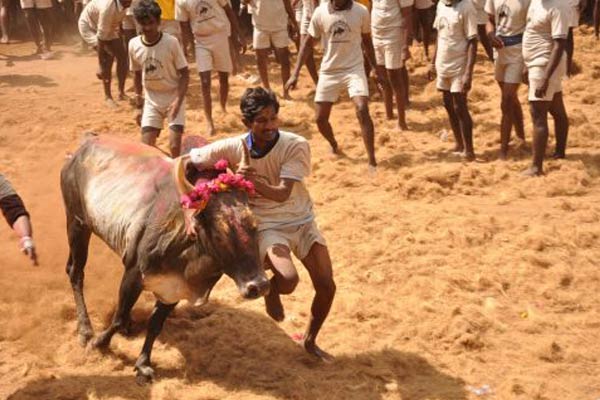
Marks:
<point>129,292</point>
<point>161,311</point>
<point>79,240</point>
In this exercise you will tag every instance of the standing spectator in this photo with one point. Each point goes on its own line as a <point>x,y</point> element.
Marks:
<point>482,19</point>
<point>575,6</point>
<point>38,15</point>
<point>4,21</point>
<point>424,13</point>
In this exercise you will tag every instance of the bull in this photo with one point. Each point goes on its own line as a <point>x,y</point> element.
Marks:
<point>128,194</point>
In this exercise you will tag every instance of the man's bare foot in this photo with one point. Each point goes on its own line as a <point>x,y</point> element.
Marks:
<point>402,126</point>
<point>312,349</point>
<point>39,50</point>
<point>111,103</point>
<point>469,156</point>
<point>123,97</point>
<point>47,55</point>
<point>224,108</point>
<point>372,171</point>
<point>503,155</point>
<point>4,40</point>
<point>532,171</point>
<point>559,156</point>
<point>274,306</point>
<point>286,95</point>
<point>210,128</point>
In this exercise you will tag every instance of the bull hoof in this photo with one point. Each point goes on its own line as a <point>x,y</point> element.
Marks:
<point>144,374</point>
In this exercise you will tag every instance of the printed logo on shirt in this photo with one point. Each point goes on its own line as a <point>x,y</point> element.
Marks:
<point>339,32</point>
<point>443,23</point>
<point>503,16</point>
<point>152,69</point>
<point>204,11</point>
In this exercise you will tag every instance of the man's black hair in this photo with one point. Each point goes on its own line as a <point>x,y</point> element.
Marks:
<point>254,100</point>
<point>145,9</point>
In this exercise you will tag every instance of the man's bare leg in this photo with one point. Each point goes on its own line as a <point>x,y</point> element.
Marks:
<point>509,92</point>
<point>405,83</point>
<point>561,125</point>
<point>597,19</point>
<point>175,133</point>
<point>395,76</point>
<point>318,264</point>
<point>205,84</point>
<point>465,122</point>
<point>106,61</point>
<point>262,63</point>
<point>310,63</point>
<point>149,135</point>
<point>323,111</point>
<point>570,49</point>
<point>34,28</point>
<point>284,280</point>
<point>426,24</point>
<point>120,53</point>
<point>454,124</point>
<point>44,15</point>
<point>4,21</point>
<point>283,54</point>
<point>485,41</point>
<point>518,118</point>
<point>539,115</point>
<point>223,90</point>
<point>388,97</point>
<point>366,126</point>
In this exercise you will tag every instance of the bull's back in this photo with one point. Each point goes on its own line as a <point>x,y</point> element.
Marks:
<point>112,184</point>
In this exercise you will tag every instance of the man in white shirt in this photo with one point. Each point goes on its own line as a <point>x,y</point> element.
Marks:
<point>270,19</point>
<point>453,61</point>
<point>161,70</point>
<point>390,23</point>
<point>544,45</point>
<point>99,26</point>
<point>424,15</point>
<point>345,28</point>
<point>507,19</point>
<point>39,13</point>
<point>279,163</point>
<point>210,23</point>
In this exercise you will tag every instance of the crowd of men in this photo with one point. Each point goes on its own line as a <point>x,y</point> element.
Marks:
<point>529,41</point>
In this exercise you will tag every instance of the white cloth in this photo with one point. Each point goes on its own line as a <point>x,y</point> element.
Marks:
<point>423,4</point>
<point>212,54</point>
<point>266,39</point>
<point>206,17</point>
<point>331,84</point>
<point>103,17</point>
<point>342,35</point>
<point>510,15</point>
<point>268,15</point>
<point>456,26</point>
<point>546,20</point>
<point>159,64</point>
<point>386,18</point>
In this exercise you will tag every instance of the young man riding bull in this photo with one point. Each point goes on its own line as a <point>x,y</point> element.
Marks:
<point>279,162</point>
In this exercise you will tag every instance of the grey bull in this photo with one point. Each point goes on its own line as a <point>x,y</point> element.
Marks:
<point>128,195</point>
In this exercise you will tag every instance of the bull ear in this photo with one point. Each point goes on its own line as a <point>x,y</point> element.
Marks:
<point>182,184</point>
<point>245,161</point>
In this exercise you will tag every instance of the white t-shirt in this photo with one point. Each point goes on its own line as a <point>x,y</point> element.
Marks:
<point>207,17</point>
<point>423,4</point>
<point>386,18</point>
<point>456,26</point>
<point>159,64</point>
<point>105,17</point>
<point>342,35</point>
<point>289,158</point>
<point>546,20</point>
<point>511,18</point>
<point>268,15</point>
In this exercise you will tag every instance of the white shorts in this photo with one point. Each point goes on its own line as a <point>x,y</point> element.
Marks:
<point>453,84</point>
<point>330,85</point>
<point>212,54</point>
<point>388,54</point>
<point>264,40</point>
<point>536,77</point>
<point>153,116</point>
<point>509,73</point>
<point>87,33</point>
<point>171,27</point>
<point>36,3</point>
<point>299,239</point>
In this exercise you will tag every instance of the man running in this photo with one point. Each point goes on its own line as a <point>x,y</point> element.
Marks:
<point>544,45</point>
<point>17,217</point>
<point>279,163</point>
<point>99,26</point>
<point>161,69</point>
<point>210,23</point>
<point>507,19</point>
<point>345,27</point>
<point>270,19</point>
<point>454,60</point>
<point>390,23</point>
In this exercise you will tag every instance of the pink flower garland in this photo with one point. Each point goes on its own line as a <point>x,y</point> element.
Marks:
<point>198,198</point>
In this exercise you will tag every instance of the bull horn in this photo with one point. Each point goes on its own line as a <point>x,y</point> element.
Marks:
<point>245,161</point>
<point>182,184</point>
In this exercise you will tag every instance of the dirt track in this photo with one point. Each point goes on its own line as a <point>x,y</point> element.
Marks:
<point>449,274</point>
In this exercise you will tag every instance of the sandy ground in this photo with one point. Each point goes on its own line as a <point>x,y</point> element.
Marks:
<point>450,275</point>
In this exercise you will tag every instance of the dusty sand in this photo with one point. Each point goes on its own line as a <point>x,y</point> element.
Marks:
<point>450,275</point>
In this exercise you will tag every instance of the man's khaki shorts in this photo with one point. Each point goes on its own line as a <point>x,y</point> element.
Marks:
<point>36,4</point>
<point>153,116</point>
<point>212,54</point>
<point>330,85</point>
<point>299,239</point>
<point>388,54</point>
<point>263,40</point>
<point>536,78</point>
<point>452,84</point>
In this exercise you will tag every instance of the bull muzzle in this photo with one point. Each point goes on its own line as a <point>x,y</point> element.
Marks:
<point>256,288</point>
